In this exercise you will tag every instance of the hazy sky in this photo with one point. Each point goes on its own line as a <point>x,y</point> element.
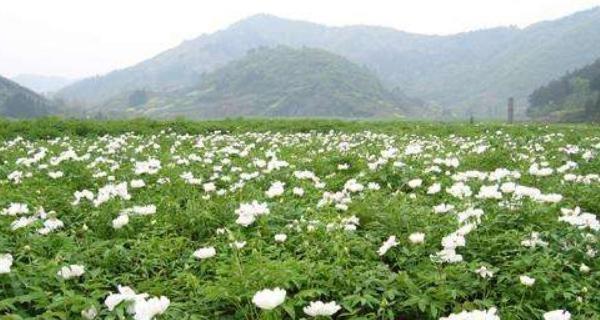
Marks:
<point>77,38</point>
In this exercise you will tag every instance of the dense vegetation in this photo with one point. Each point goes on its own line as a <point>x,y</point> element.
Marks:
<point>380,220</point>
<point>468,73</point>
<point>19,102</point>
<point>575,96</point>
<point>278,81</point>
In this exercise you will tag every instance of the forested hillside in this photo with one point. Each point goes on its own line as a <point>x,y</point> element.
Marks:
<point>279,81</point>
<point>573,97</point>
<point>19,102</point>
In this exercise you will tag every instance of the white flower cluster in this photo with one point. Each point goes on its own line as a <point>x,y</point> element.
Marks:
<point>534,241</point>
<point>247,212</point>
<point>457,239</point>
<point>581,220</point>
<point>275,190</point>
<point>473,315</point>
<point>205,253</point>
<point>50,222</point>
<point>72,271</point>
<point>151,166</point>
<point>6,261</point>
<point>139,306</point>
<point>123,218</point>
<point>387,245</point>
<point>321,309</point>
<point>557,315</point>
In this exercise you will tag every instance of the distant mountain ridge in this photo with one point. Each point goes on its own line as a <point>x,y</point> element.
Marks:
<point>275,82</point>
<point>42,84</point>
<point>17,101</point>
<point>467,73</point>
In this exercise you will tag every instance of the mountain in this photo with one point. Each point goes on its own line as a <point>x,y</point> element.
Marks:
<point>19,102</point>
<point>573,97</point>
<point>467,73</point>
<point>42,84</point>
<point>275,82</point>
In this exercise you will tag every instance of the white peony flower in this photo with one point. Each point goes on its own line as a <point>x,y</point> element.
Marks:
<point>447,255</point>
<point>489,192</point>
<point>413,149</point>
<point>527,281</point>
<point>280,237</point>
<point>205,253</point>
<point>557,315</point>
<point>584,268</point>
<point>373,186</point>
<point>443,208</point>
<point>238,244</point>
<point>343,166</point>
<point>415,183</point>
<point>209,187</point>
<point>434,188</point>
<point>319,308</point>
<point>6,261</point>
<point>142,308</point>
<point>137,183</point>
<point>416,238</point>
<point>125,294</point>
<point>269,299</point>
<point>387,245</point>
<point>50,225</point>
<point>55,174</point>
<point>353,186</point>
<point>484,272</point>
<point>247,212</point>
<point>140,210</point>
<point>72,271</point>
<point>460,190</point>
<point>89,313</point>
<point>22,222</point>
<point>15,209</point>
<point>298,191</point>
<point>534,241</point>
<point>245,219</point>
<point>120,221</point>
<point>474,315</point>
<point>275,190</point>
<point>150,167</point>
<point>148,309</point>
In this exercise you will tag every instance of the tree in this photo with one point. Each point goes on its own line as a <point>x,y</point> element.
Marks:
<point>22,106</point>
<point>138,98</point>
<point>590,107</point>
<point>595,83</point>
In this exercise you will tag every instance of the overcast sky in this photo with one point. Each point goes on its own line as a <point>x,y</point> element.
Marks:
<point>77,38</point>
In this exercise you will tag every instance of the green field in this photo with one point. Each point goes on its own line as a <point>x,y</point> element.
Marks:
<point>389,220</point>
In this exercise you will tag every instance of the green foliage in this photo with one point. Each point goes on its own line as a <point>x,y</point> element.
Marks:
<point>153,253</point>
<point>283,82</point>
<point>574,96</point>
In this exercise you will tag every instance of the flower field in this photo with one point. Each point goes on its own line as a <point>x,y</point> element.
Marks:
<point>289,219</point>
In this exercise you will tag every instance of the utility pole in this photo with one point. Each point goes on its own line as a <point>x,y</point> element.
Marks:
<point>511,109</point>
